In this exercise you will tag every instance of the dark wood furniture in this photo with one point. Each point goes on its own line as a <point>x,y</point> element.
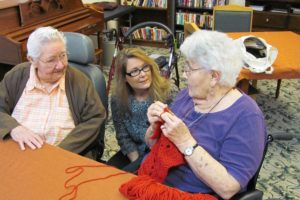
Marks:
<point>144,14</point>
<point>18,20</point>
<point>120,11</point>
<point>276,15</point>
<point>200,14</point>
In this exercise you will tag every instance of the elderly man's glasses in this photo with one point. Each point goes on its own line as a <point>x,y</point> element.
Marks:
<point>63,57</point>
<point>137,72</point>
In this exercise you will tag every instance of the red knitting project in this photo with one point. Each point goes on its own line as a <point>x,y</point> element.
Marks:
<point>163,156</point>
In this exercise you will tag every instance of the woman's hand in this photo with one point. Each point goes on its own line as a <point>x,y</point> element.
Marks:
<point>154,112</point>
<point>175,129</point>
<point>133,156</point>
<point>23,136</point>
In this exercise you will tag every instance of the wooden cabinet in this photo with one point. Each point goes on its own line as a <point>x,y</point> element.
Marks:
<point>275,15</point>
<point>270,20</point>
<point>294,22</point>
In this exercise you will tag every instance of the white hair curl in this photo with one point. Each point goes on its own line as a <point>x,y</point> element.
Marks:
<point>214,51</point>
<point>40,37</point>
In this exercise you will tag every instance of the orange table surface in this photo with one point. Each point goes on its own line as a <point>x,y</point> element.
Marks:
<point>40,174</point>
<point>287,63</point>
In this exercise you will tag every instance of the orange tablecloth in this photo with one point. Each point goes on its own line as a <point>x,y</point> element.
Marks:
<point>40,174</point>
<point>287,64</point>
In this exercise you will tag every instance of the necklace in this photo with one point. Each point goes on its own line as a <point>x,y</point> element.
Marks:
<point>203,116</point>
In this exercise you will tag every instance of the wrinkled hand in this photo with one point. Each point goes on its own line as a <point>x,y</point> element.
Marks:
<point>175,129</point>
<point>154,112</point>
<point>23,136</point>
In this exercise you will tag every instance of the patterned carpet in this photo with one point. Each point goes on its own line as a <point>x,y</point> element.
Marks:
<point>279,177</point>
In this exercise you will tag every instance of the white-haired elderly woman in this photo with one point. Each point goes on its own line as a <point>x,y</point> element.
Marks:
<point>220,130</point>
<point>46,101</point>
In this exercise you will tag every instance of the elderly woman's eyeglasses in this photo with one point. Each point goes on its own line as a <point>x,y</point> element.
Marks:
<point>137,72</point>
<point>63,57</point>
<point>188,69</point>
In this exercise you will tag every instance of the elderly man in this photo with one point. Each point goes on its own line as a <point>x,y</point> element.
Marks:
<point>46,101</point>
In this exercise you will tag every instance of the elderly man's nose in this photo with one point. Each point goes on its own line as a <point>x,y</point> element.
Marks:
<point>60,64</point>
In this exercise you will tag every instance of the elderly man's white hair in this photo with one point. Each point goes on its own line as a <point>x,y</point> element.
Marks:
<point>214,51</point>
<point>40,37</point>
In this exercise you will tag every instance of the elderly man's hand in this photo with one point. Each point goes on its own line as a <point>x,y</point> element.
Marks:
<point>23,136</point>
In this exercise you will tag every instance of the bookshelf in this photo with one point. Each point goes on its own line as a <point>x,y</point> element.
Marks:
<point>275,15</point>
<point>199,12</point>
<point>150,10</point>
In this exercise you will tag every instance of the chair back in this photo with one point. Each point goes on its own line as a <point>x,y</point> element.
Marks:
<point>81,56</point>
<point>189,28</point>
<point>232,18</point>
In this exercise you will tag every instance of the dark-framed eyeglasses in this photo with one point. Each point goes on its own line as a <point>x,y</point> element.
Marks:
<point>137,72</point>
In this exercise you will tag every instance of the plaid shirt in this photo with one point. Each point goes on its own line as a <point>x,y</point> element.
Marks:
<point>45,111</point>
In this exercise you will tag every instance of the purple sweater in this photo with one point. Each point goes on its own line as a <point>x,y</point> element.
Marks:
<point>235,137</point>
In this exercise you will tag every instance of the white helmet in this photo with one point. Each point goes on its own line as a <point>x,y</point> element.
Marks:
<point>258,55</point>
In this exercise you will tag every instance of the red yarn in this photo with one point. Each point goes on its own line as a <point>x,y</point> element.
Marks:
<point>163,156</point>
<point>77,170</point>
<point>146,188</point>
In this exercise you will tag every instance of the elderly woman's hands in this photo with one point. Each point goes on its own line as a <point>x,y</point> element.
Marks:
<point>173,128</point>
<point>23,136</point>
<point>154,112</point>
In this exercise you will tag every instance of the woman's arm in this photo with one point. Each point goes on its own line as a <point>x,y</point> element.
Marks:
<point>238,160</point>
<point>204,166</point>
<point>210,171</point>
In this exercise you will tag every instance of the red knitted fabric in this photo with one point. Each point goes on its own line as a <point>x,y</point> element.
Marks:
<point>146,188</point>
<point>163,156</point>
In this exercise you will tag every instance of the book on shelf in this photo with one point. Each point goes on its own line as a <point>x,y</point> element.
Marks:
<point>203,20</point>
<point>200,3</point>
<point>150,3</point>
<point>147,33</point>
<point>179,34</point>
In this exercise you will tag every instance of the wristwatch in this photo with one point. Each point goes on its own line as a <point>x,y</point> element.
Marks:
<point>190,150</point>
